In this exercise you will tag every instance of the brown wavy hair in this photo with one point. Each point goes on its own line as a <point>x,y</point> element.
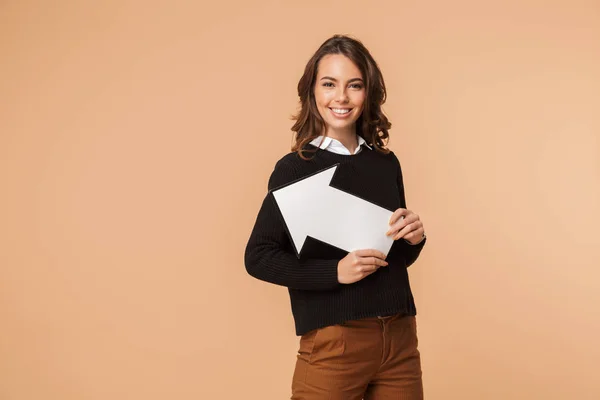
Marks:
<point>372,124</point>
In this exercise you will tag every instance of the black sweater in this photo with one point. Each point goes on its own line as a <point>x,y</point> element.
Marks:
<point>317,298</point>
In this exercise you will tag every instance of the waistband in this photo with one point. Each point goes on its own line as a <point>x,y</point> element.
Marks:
<point>384,318</point>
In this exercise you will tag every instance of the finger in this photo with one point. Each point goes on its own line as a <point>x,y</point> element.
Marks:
<point>380,262</point>
<point>418,233</point>
<point>366,253</point>
<point>404,221</point>
<point>397,214</point>
<point>374,261</point>
<point>368,268</point>
<point>370,253</point>
<point>404,231</point>
<point>408,229</point>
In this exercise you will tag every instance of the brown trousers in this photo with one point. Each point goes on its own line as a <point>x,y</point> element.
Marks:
<point>370,359</point>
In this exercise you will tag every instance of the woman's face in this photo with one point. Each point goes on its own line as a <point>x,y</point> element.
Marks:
<point>339,94</point>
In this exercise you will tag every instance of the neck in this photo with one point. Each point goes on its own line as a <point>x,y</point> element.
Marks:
<point>348,138</point>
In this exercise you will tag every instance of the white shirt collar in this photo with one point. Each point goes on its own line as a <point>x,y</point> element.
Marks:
<point>335,146</point>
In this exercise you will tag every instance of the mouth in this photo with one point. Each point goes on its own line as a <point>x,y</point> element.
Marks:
<point>341,112</point>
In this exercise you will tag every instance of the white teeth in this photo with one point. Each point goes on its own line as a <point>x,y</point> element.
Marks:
<point>340,110</point>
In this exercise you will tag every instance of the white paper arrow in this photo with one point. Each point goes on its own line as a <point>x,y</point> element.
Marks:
<point>310,207</point>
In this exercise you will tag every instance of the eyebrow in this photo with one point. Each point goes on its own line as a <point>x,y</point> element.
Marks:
<point>335,80</point>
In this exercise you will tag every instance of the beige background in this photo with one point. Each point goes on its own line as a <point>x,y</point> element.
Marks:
<point>136,140</point>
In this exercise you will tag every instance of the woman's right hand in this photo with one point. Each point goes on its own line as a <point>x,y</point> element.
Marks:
<point>360,264</point>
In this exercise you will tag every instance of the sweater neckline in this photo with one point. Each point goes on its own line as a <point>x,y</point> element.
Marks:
<point>338,155</point>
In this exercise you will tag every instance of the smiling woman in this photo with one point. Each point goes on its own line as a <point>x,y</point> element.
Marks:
<point>354,310</point>
<point>339,100</point>
<point>342,90</point>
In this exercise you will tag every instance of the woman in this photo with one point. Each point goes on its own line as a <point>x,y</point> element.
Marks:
<point>354,311</point>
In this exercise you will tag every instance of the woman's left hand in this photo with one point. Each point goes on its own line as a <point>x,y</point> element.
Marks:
<point>407,225</point>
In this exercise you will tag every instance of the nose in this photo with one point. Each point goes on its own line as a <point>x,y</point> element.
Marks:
<point>342,96</point>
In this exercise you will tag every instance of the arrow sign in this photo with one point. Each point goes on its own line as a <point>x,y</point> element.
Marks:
<point>310,207</point>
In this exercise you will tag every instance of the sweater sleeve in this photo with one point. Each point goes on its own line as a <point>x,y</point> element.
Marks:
<point>409,251</point>
<point>269,255</point>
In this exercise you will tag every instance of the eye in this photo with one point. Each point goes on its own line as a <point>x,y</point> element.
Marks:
<point>356,86</point>
<point>326,84</point>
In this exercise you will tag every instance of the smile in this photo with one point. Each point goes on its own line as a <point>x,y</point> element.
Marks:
<point>341,111</point>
